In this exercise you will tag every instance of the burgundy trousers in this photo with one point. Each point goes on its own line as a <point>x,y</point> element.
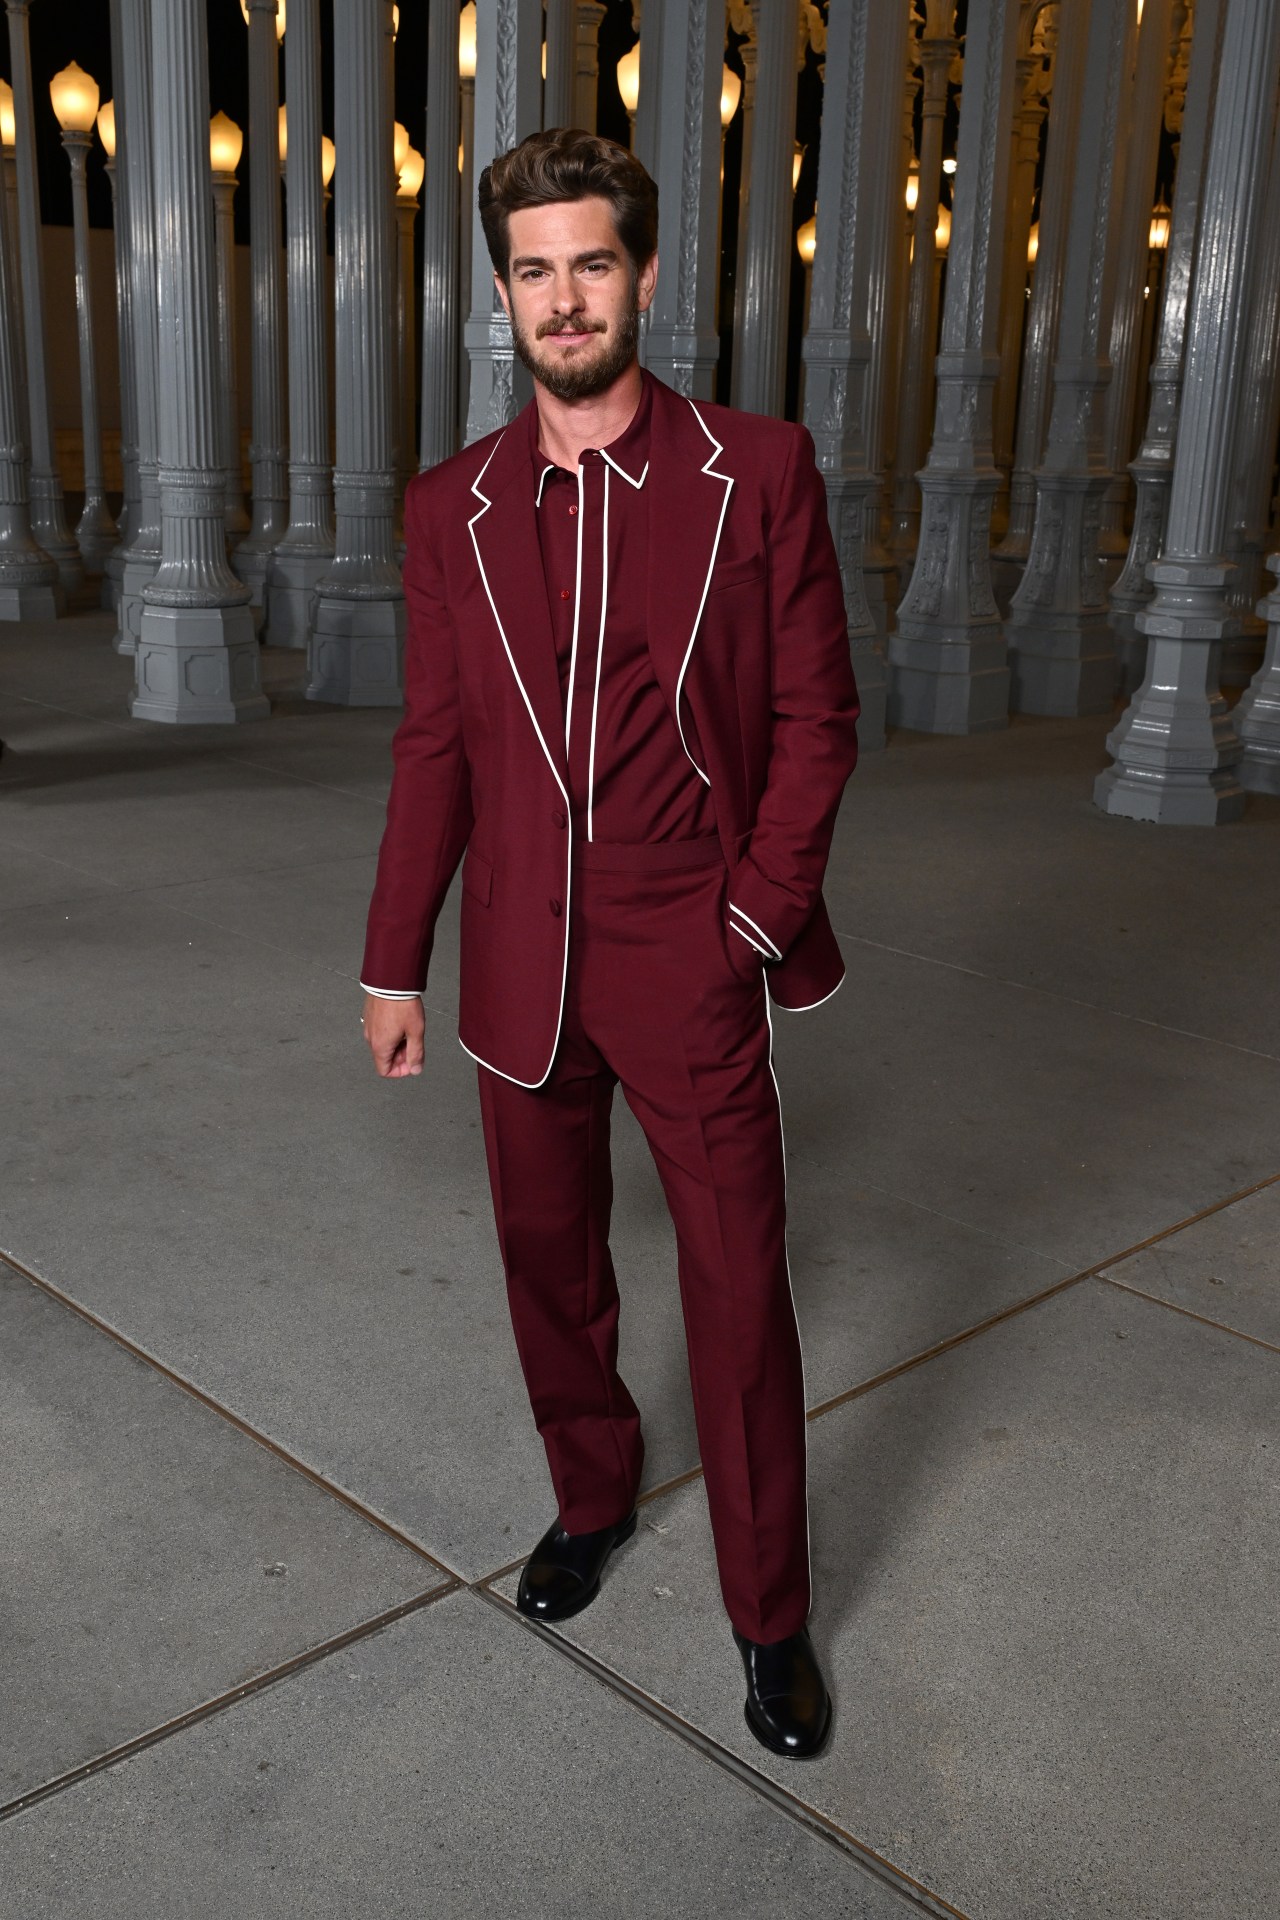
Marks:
<point>660,1002</point>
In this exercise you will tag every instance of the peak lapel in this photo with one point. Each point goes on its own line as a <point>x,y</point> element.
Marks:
<point>504,534</point>
<point>689,498</point>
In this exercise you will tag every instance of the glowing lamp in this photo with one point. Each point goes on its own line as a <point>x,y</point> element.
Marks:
<point>1033,244</point>
<point>395,23</point>
<point>942,232</point>
<point>401,146</point>
<point>807,240</point>
<point>412,174</point>
<point>913,188</point>
<point>949,165</point>
<point>1158,239</point>
<point>284,135</point>
<point>467,41</point>
<point>797,161</point>
<point>226,144</point>
<point>730,94</point>
<point>328,155</point>
<point>107,127</point>
<point>6,114</point>
<point>75,99</point>
<point>629,78</point>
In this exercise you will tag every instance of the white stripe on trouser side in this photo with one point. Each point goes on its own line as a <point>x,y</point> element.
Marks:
<point>808,1548</point>
<point>595,698</point>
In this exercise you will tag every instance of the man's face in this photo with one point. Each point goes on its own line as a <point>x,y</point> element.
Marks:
<point>573,297</point>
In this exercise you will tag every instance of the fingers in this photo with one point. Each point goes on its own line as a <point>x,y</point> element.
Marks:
<point>394,1030</point>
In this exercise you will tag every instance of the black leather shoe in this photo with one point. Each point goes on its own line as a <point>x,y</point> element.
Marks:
<point>562,1574</point>
<point>788,1707</point>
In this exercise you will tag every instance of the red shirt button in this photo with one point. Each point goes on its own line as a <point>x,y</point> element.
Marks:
<point>557,818</point>
<point>572,510</point>
<point>564,593</point>
<point>555,907</point>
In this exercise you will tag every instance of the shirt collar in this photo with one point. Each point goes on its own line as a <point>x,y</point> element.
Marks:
<point>628,455</point>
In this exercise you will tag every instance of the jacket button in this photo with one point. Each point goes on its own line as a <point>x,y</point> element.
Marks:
<point>557,818</point>
<point>555,907</point>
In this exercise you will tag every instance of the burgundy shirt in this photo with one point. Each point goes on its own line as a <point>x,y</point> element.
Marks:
<point>630,779</point>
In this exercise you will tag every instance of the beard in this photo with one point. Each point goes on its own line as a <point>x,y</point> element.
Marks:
<point>577,377</point>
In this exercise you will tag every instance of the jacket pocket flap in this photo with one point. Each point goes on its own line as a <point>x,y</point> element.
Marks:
<point>477,878</point>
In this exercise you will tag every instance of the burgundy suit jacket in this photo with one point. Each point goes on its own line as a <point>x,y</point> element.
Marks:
<point>746,625</point>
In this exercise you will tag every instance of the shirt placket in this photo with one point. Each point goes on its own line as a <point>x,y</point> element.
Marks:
<point>584,744</point>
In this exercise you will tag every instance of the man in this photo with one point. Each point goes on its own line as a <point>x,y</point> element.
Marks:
<point>628,700</point>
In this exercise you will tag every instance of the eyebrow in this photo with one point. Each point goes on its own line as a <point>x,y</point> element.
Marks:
<point>578,260</point>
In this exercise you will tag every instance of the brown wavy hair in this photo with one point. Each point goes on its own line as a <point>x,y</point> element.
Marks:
<point>564,163</point>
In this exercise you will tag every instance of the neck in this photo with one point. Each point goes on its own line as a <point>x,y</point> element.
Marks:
<point>566,427</point>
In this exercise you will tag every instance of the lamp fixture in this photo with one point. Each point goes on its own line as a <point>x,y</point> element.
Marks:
<point>401,145</point>
<point>807,240</point>
<point>1033,244</point>
<point>942,232</point>
<point>328,155</point>
<point>7,132</point>
<point>284,135</point>
<point>797,161</point>
<point>629,78</point>
<point>730,94</point>
<point>913,187</point>
<point>949,164</point>
<point>107,127</point>
<point>75,97</point>
<point>467,41</point>
<point>226,144</point>
<point>1158,238</point>
<point>412,174</point>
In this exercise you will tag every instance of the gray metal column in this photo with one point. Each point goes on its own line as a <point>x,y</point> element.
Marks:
<point>197,658</point>
<point>134,144</point>
<point>586,62</point>
<point>29,584</point>
<point>562,48</point>
<point>837,351</point>
<point>304,554</point>
<point>1152,467</point>
<point>938,50</point>
<point>113,567</point>
<point>884,184</point>
<point>406,342</point>
<point>1040,340</point>
<point>48,516</point>
<point>235,518</point>
<point>441,276</point>
<point>682,343</point>
<point>266,451</point>
<point>1037,38</point>
<point>948,672</point>
<point>508,99</point>
<point>1257,717</point>
<point>357,630</point>
<point>1175,754</point>
<point>1142,151</point>
<point>95,529</point>
<point>1061,653</point>
<point>764,259</point>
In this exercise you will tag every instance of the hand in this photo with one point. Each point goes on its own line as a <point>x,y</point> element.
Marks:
<point>394,1031</point>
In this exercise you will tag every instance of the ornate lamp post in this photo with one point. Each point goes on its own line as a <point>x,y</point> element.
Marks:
<point>226,143</point>
<point>466,186</point>
<point>75,98</point>
<point>411,173</point>
<point>113,566</point>
<point>29,587</point>
<point>441,277</point>
<point>8,142</point>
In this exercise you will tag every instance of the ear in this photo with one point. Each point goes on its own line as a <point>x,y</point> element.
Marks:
<point>646,284</point>
<point>503,295</point>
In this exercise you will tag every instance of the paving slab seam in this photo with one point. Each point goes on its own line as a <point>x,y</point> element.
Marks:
<point>1048,993</point>
<point>1189,1313</point>
<point>309,1657</point>
<point>288,1459</point>
<point>914,1893</point>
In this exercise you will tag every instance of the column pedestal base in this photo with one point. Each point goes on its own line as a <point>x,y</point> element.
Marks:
<point>136,574</point>
<point>198,666</point>
<point>355,650</point>
<point>871,674</point>
<point>291,589</point>
<point>22,602</point>
<point>949,686</point>
<point>1204,801</point>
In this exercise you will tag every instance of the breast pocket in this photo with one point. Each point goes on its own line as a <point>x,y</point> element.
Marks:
<point>753,571</point>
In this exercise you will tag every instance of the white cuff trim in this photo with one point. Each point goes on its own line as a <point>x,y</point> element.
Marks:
<point>391,993</point>
<point>776,952</point>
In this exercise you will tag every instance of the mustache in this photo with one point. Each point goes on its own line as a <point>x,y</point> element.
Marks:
<point>573,325</point>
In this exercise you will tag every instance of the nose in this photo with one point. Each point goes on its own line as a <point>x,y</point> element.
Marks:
<point>566,295</point>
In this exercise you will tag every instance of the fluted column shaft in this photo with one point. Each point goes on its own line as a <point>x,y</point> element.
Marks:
<point>1029,92</point>
<point>467,224</point>
<point>358,624</point>
<point>1040,339</point>
<point>586,62</point>
<point>224,193</point>
<point>682,343</point>
<point>15,278</point>
<point>197,658</point>
<point>1142,151</point>
<point>507,108</point>
<point>948,672</point>
<point>95,530</point>
<point>562,55</point>
<point>441,268</point>
<point>406,344</point>
<point>29,584</point>
<point>938,49</point>
<point>269,505</point>
<point>113,566</point>
<point>837,351</point>
<point>48,516</point>
<point>134,157</point>
<point>306,549</point>
<point>1152,467</point>
<point>759,363</point>
<point>1175,753</point>
<point>1062,655</point>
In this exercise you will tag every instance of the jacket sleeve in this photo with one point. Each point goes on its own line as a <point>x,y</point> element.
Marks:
<point>776,885</point>
<point>429,816</point>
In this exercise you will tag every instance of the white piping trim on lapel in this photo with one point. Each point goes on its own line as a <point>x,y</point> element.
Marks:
<point>775,951</point>
<point>791,1290</point>
<point>595,697</point>
<point>716,450</point>
<point>568,853</point>
<point>577,609</point>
